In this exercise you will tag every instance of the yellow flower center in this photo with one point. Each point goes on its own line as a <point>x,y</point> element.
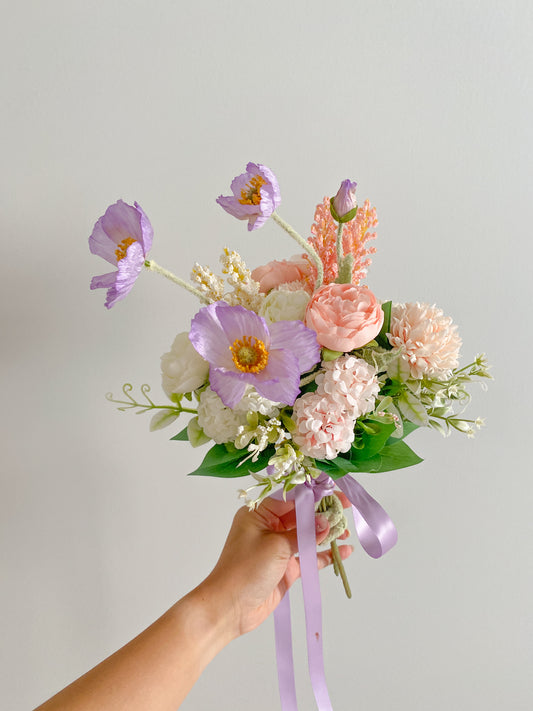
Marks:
<point>251,195</point>
<point>247,357</point>
<point>122,248</point>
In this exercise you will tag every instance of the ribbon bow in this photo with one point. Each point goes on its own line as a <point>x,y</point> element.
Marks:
<point>377,534</point>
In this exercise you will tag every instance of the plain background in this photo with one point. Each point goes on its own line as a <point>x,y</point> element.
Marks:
<point>428,106</point>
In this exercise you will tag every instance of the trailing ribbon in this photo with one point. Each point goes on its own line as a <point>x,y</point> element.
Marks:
<point>377,534</point>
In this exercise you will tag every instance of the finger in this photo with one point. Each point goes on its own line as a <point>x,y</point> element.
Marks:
<point>321,530</point>
<point>344,535</point>
<point>345,501</point>
<point>276,515</point>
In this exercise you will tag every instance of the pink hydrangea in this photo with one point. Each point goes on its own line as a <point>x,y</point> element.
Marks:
<point>351,382</point>
<point>429,340</point>
<point>323,427</point>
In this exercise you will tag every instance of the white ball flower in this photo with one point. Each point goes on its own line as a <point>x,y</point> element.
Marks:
<point>284,305</point>
<point>220,423</point>
<point>182,368</point>
<point>350,381</point>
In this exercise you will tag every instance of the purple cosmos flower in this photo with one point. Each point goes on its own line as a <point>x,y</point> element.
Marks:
<point>241,350</point>
<point>122,236</point>
<point>255,196</point>
<point>344,204</point>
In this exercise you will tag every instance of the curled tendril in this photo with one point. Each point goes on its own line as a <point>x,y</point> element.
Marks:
<point>132,403</point>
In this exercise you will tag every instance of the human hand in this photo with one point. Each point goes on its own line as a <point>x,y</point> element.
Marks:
<point>258,564</point>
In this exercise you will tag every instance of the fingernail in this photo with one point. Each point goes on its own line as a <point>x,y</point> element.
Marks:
<point>321,523</point>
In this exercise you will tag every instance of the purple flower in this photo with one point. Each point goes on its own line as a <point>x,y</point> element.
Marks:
<point>123,237</point>
<point>255,196</point>
<point>344,204</point>
<point>242,350</point>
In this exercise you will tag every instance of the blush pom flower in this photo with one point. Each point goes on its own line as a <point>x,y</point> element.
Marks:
<point>428,340</point>
<point>242,350</point>
<point>255,196</point>
<point>351,382</point>
<point>323,427</point>
<point>123,237</point>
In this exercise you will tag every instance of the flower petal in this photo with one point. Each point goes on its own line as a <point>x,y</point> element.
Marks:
<point>147,231</point>
<point>299,339</point>
<point>104,281</point>
<point>238,322</point>
<point>228,385</point>
<point>280,380</point>
<point>208,337</point>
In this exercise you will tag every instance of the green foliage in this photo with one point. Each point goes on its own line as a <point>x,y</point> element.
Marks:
<point>395,456</point>
<point>370,438</point>
<point>181,436</point>
<point>223,461</point>
<point>381,338</point>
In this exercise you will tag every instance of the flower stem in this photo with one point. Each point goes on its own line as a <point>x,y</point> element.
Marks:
<point>340,255</point>
<point>305,245</point>
<point>155,267</point>
<point>340,566</point>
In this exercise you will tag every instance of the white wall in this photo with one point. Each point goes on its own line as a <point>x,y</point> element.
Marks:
<point>428,106</point>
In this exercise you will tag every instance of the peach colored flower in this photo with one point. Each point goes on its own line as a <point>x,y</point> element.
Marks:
<point>355,235</point>
<point>323,427</point>
<point>429,340</point>
<point>344,316</point>
<point>275,273</point>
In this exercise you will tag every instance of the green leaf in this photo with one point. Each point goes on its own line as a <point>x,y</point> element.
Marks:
<point>390,458</point>
<point>372,443</point>
<point>219,462</point>
<point>181,436</point>
<point>381,338</point>
<point>412,409</point>
<point>408,427</point>
<point>163,418</point>
<point>397,456</point>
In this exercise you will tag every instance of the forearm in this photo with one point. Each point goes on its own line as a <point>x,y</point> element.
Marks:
<point>158,668</point>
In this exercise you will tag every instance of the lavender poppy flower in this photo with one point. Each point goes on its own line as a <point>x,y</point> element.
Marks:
<point>241,349</point>
<point>344,204</point>
<point>123,237</point>
<point>255,196</point>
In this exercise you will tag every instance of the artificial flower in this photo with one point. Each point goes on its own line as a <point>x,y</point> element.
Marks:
<point>284,305</point>
<point>255,196</point>
<point>123,237</point>
<point>344,204</point>
<point>242,350</point>
<point>344,316</point>
<point>182,369</point>
<point>350,381</point>
<point>286,271</point>
<point>428,340</point>
<point>323,427</point>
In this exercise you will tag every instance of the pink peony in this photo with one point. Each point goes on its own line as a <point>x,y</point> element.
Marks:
<point>323,428</point>
<point>344,316</point>
<point>273,274</point>
<point>350,381</point>
<point>429,340</point>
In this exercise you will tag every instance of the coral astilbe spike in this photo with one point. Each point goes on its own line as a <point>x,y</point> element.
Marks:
<point>355,235</point>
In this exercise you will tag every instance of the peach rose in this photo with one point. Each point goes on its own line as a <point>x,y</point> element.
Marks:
<point>344,316</point>
<point>274,273</point>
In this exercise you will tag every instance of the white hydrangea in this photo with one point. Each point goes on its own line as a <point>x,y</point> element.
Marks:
<point>284,305</point>
<point>222,424</point>
<point>350,381</point>
<point>182,368</point>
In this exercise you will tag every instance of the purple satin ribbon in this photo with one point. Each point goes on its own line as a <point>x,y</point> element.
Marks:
<point>377,535</point>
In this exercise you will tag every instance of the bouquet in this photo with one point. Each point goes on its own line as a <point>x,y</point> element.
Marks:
<point>297,375</point>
